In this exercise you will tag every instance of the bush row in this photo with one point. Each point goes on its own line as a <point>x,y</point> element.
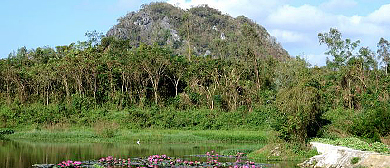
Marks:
<point>135,118</point>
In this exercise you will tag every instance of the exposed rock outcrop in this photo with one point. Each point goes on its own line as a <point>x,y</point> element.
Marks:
<point>201,29</point>
<point>342,157</point>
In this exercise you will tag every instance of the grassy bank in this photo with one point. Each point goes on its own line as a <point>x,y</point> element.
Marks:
<point>283,151</point>
<point>85,134</point>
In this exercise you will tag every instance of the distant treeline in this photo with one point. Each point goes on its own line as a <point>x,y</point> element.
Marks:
<point>349,96</point>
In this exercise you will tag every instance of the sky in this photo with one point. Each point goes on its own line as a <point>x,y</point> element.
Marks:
<point>295,23</point>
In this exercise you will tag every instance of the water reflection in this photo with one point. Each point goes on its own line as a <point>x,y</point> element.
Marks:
<point>24,154</point>
<point>17,154</point>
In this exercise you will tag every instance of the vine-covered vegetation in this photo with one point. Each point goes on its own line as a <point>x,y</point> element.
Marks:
<point>109,79</point>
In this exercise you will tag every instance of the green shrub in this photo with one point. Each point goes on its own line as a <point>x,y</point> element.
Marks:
<point>261,117</point>
<point>340,122</point>
<point>355,160</point>
<point>234,152</point>
<point>372,123</point>
<point>6,132</point>
<point>298,112</point>
<point>106,129</point>
<point>6,117</point>
<point>170,118</point>
<point>369,123</point>
<point>151,117</point>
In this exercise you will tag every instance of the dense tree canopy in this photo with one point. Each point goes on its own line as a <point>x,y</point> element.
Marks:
<point>298,100</point>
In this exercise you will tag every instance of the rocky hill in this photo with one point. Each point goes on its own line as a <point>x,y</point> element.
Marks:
<point>198,31</point>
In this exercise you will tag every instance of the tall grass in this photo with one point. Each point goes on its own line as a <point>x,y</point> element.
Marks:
<point>145,135</point>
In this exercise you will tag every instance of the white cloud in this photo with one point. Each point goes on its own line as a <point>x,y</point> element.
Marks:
<point>286,36</point>
<point>359,26</point>
<point>302,18</point>
<point>316,59</point>
<point>296,27</point>
<point>250,8</point>
<point>381,16</point>
<point>338,5</point>
<point>355,19</point>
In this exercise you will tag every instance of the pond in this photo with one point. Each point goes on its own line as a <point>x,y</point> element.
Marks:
<point>19,154</point>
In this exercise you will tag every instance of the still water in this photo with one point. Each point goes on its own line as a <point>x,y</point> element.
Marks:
<point>19,154</point>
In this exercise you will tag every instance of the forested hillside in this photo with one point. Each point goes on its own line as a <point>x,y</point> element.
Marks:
<point>134,78</point>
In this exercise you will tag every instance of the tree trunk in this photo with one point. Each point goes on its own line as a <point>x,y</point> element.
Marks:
<point>47,96</point>
<point>155,89</point>
<point>155,96</point>
<point>257,75</point>
<point>176,86</point>
<point>22,90</point>
<point>8,93</point>
<point>123,82</point>
<point>349,95</point>
<point>66,87</point>
<point>112,84</point>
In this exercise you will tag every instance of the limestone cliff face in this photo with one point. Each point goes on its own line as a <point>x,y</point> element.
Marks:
<point>199,31</point>
<point>340,157</point>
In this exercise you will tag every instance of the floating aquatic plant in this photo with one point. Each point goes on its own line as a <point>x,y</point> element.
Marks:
<point>69,164</point>
<point>160,161</point>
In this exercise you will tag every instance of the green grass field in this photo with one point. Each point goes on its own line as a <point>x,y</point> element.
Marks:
<point>147,135</point>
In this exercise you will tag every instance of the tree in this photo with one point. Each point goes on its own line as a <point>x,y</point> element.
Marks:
<point>94,37</point>
<point>384,53</point>
<point>178,68</point>
<point>367,58</point>
<point>299,107</point>
<point>340,49</point>
<point>298,102</point>
<point>154,61</point>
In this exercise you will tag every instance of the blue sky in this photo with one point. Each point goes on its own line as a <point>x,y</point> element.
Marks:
<point>295,23</point>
